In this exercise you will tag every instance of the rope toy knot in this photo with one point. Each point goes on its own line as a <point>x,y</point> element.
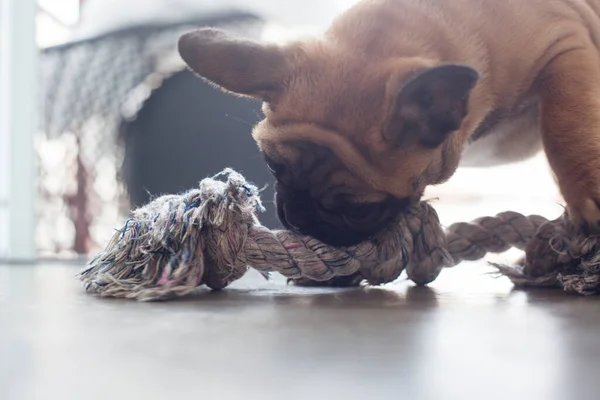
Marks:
<point>211,236</point>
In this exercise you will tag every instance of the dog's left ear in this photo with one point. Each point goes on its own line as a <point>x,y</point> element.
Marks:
<point>235,64</point>
<point>429,106</point>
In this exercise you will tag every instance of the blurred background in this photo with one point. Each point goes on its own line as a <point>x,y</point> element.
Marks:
<point>98,114</point>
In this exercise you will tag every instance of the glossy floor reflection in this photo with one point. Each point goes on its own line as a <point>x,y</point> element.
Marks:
<point>469,336</point>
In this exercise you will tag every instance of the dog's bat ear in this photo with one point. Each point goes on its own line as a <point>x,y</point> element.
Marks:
<point>430,105</point>
<point>236,65</point>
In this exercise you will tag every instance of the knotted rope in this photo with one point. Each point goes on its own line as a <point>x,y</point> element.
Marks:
<point>211,236</point>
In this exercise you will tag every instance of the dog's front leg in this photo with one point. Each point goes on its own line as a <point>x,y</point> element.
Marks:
<point>569,89</point>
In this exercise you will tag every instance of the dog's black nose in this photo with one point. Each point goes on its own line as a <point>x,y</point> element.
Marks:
<point>344,225</point>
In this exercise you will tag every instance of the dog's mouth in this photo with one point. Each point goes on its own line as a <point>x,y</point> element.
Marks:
<point>343,226</point>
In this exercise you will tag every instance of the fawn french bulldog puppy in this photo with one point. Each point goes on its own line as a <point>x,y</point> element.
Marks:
<point>397,93</point>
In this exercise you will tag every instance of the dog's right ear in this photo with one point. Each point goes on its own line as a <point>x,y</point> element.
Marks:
<point>431,105</point>
<point>237,65</point>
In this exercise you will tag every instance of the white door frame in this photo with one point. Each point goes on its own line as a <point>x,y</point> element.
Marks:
<point>19,108</point>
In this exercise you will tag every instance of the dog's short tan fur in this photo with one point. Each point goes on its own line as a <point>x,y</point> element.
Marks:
<point>538,85</point>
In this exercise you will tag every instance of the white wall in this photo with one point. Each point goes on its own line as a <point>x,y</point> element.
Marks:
<point>103,15</point>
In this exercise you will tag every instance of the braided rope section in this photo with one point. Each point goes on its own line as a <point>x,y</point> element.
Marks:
<point>211,236</point>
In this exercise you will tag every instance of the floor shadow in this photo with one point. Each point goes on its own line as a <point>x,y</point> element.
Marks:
<point>363,297</point>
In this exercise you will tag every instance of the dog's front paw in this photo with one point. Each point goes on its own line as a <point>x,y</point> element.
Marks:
<point>584,212</point>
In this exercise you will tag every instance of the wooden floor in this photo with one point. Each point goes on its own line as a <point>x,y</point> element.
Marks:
<point>469,336</point>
